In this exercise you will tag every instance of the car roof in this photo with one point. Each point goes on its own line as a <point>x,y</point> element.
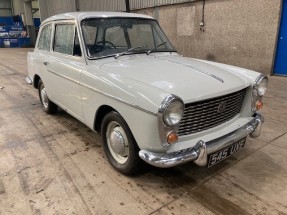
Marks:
<point>84,15</point>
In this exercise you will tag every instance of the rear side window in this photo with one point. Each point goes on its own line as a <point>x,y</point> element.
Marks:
<point>45,38</point>
<point>64,38</point>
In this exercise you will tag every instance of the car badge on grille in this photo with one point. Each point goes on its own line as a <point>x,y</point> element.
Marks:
<point>221,107</point>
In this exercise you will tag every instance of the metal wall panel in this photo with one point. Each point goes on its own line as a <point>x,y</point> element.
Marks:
<point>139,4</point>
<point>119,5</point>
<point>5,12</point>
<point>102,5</point>
<point>35,6</point>
<point>5,8</point>
<point>60,6</point>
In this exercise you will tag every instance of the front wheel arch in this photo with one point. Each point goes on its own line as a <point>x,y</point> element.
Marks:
<point>99,116</point>
<point>126,161</point>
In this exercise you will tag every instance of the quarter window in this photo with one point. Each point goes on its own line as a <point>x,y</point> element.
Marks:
<point>45,38</point>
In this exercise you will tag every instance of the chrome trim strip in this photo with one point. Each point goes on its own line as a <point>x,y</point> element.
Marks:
<point>104,94</point>
<point>259,78</point>
<point>255,96</point>
<point>63,76</point>
<point>206,73</point>
<point>196,69</point>
<point>199,153</point>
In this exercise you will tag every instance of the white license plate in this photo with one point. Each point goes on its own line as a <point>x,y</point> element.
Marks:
<point>222,154</point>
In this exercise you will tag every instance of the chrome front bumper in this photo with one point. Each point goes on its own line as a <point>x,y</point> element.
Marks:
<point>198,153</point>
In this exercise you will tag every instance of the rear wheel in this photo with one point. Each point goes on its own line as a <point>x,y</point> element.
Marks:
<point>119,145</point>
<point>47,105</point>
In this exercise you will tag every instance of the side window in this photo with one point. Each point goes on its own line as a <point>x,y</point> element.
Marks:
<point>45,38</point>
<point>64,38</point>
<point>116,36</point>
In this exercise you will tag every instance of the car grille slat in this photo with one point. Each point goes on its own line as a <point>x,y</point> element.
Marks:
<point>211,111</point>
<point>213,121</point>
<point>210,119</point>
<point>203,115</point>
<point>201,108</point>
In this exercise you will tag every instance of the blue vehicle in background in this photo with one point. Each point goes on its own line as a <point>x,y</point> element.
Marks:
<point>13,33</point>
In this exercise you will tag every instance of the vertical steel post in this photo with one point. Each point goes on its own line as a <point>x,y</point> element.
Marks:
<point>29,24</point>
<point>128,6</point>
<point>77,4</point>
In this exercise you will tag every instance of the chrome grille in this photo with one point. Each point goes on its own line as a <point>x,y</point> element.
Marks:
<point>206,114</point>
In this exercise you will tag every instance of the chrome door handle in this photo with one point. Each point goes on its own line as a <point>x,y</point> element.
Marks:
<point>45,63</point>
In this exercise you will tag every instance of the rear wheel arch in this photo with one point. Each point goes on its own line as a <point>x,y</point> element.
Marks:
<point>47,105</point>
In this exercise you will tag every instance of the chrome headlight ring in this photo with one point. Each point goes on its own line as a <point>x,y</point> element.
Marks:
<point>172,109</point>
<point>259,90</point>
<point>169,115</point>
<point>261,85</point>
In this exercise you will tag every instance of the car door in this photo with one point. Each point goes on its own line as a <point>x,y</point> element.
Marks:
<point>42,49</point>
<point>64,67</point>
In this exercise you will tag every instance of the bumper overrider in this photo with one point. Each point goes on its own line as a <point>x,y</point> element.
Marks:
<point>198,153</point>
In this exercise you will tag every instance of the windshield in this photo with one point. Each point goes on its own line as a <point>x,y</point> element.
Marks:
<point>111,36</point>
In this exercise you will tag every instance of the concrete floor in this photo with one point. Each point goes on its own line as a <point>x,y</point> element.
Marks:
<point>55,164</point>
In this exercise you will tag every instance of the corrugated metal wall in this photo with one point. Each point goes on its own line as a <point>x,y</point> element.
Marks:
<point>139,4</point>
<point>35,5</point>
<point>60,6</point>
<point>119,5</point>
<point>5,8</point>
<point>102,5</point>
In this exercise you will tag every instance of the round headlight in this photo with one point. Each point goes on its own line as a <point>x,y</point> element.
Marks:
<point>173,112</point>
<point>262,86</point>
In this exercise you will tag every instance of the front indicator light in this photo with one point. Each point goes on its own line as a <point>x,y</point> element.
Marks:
<point>259,105</point>
<point>172,137</point>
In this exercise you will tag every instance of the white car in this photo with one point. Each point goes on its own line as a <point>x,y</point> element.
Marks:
<point>119,74</point>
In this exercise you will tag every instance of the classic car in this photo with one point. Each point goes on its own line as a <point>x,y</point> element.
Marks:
<point>119,74</point>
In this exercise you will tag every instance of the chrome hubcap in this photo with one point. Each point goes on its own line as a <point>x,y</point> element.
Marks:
<point>44,96</point>
<point>117,142</point>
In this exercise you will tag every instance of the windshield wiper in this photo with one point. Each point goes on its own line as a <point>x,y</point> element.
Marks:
<point>155,48</point>
<point>127,51</point>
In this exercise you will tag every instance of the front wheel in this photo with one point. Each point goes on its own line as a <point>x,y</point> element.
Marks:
<point>47,105</point>
<point>119,145</point>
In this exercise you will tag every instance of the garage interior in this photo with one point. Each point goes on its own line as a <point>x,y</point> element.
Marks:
<point>56,165</point>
